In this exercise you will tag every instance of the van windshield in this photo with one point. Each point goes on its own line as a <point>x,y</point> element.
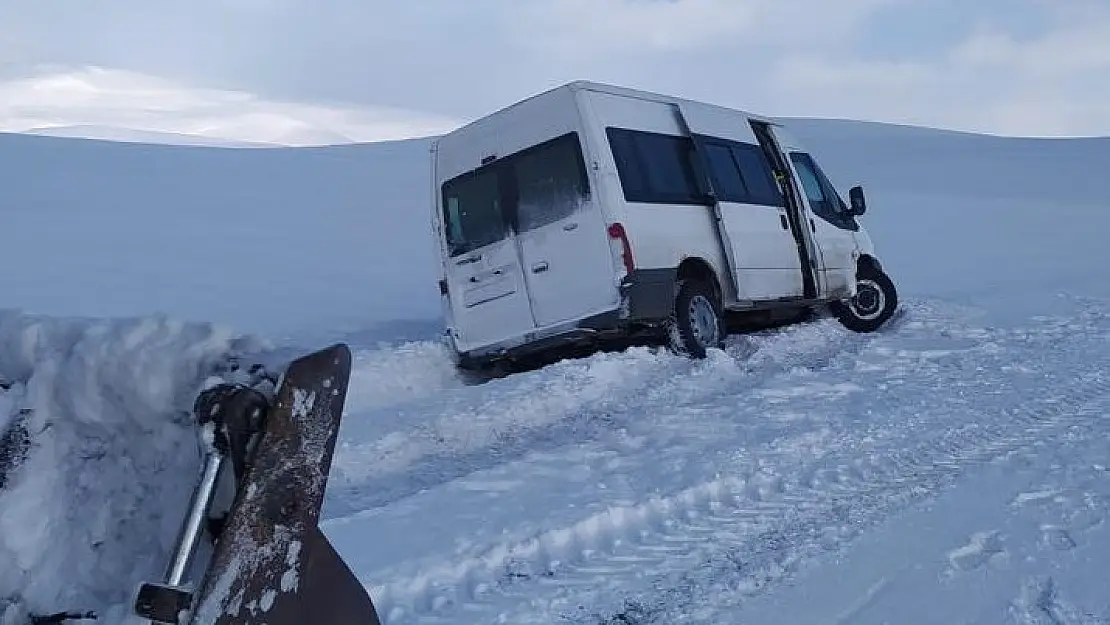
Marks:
<point>822,195</point>
<point>473,212</point>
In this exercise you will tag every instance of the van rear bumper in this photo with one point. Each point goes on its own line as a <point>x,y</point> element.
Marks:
<point>647,298</point>
<point>582,331</point>
<point>648,294</point>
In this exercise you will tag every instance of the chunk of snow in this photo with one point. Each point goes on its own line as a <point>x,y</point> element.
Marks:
<point>97,503</point>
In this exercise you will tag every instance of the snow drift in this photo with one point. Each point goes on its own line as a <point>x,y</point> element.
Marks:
<point>96,490</point>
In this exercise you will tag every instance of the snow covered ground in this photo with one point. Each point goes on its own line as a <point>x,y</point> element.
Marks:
<point>946,458</point>
<point>954,468</point>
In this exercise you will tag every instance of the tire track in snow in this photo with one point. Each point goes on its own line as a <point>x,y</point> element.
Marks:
<point>768,536</point>
<point>869,488</point>
<point>568,402</point>
<point>771,514</point>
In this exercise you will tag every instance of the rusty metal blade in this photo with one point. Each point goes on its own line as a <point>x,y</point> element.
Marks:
<point>271,563</point>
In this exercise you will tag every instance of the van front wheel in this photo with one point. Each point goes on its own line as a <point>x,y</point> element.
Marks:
<point>696,325</point>
<point>875,302</point>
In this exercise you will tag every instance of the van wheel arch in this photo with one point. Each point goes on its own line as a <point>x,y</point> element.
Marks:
<point>696,268</point>
<point>868,264</point>
<point>698,306</point>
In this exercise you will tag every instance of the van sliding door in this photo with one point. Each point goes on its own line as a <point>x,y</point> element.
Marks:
<point>750,212</point>
<point>489,300</point>
<point>795,211</point>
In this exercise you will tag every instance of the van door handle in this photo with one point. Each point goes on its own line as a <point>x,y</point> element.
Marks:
<point>495,272</point>
<point>539,267</point>
<point>571,226</point>
<point>785,224</point>
<point>473,258</point>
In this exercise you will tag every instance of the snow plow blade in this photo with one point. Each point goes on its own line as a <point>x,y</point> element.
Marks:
<point>269,561</point>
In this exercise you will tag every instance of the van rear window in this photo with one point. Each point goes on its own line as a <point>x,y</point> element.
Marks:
<point>534,187</point>
<point>548,182</point>
<point>472,210</point>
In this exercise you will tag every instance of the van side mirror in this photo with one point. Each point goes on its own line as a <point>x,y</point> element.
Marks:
<point>857,200</point>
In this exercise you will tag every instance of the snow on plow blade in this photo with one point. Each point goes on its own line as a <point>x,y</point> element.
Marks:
<point>269,561</point>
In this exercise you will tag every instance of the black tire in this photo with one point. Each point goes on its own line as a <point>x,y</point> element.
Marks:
<point>875,302</point>
<point>697,323</point>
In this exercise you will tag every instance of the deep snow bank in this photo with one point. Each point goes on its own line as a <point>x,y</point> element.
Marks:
<point>226,235</point>
<point>266,240</point>
<point>97,501</point>
<point>1010,256</point>
<point>913,159</point>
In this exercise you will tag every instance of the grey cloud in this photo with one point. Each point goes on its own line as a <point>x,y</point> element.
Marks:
<point>432,55</point>
<point>461,58</point>
<point>448,57</point>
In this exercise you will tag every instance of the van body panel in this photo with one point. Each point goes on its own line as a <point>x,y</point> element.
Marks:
<point>532,203</point>
<point>662,233</point>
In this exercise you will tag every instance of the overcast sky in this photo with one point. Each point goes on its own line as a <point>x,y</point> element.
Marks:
<point>370,69</point>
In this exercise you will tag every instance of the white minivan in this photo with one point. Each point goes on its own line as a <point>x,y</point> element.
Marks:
<point>591,213</point>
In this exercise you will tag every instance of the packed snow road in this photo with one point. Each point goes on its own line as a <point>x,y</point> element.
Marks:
<point>945,463</point>
<point>644,488</point>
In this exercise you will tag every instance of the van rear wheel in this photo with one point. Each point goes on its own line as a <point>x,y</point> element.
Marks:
<point>696,324</point>
<point>874,304</point>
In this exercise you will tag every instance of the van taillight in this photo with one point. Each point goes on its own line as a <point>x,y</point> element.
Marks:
<point>616,231</point>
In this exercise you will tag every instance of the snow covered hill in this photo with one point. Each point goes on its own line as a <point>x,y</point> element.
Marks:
<point>953,468</point>
<point>132,135</point>
<point>913,159</point>
<point>205,230</point>
<point>203,233</point>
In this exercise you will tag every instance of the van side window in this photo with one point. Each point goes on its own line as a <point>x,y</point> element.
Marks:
<point>472,210</point>
<point>822,195</point>
<point>762,188</point>
<point>655,168</point>
<point>727,181</point>
<point>741,173</point>
<point>549,180</point>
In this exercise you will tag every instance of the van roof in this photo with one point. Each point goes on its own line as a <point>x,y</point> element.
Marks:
<point>589,85</point>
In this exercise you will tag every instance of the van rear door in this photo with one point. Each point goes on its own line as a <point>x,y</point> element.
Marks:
<point>564,244</point>
<point>485,281</point>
